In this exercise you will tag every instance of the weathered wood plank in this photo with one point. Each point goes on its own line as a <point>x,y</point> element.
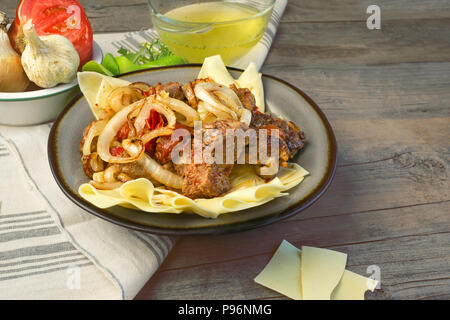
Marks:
<point>349,43</point>
<point>355,10</point>
<point>356,92</point>
<point>111,15</point>
<point>325,231</point>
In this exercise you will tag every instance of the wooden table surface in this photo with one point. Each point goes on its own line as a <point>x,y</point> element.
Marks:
<point>387,95</point>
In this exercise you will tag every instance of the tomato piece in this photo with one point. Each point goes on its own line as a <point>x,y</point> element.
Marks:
<point>116,151</point>
<point>62,17</point>
<point>123,132</point>
<point>154,121</point>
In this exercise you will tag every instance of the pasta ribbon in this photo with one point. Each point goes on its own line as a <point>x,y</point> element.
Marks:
<point>248,191</point>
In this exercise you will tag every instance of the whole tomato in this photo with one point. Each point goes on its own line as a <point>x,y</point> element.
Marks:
<point>63,17</point>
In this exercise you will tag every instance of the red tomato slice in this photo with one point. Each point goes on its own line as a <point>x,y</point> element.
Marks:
<point>123,132</point>
<point>116,151</point>
<point>63,17</point>
<point>154,121</point>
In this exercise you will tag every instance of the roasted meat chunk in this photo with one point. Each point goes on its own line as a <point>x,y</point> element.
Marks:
<point>246,96</point>
<point>174,89</point>
<point>292,135</point>
<point>206,180</point>
<point>165,145</point>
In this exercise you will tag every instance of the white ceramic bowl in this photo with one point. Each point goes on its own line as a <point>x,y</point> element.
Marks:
<point>39,106</point>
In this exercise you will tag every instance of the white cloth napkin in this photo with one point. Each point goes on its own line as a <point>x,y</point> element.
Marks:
<point>49,247</point>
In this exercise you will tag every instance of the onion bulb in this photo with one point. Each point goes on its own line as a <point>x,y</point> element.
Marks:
<point>12,75</point>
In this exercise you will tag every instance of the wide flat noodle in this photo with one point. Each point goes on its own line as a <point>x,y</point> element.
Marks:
<point>96,88</point>
<point>353,287</point>
<point>284,274</point>
<point>321,271</point>
<point>248,191</point>
<point>214,68</point>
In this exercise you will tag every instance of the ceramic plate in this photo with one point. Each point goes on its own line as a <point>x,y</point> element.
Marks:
<point>282,99</point>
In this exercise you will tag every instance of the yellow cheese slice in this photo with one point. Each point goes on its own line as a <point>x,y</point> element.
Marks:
<point>282,272</point>
<point>353,286</point>
<point>321,271</point>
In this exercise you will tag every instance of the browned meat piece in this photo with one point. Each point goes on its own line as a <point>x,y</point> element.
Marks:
<point>292,135</point>
<point>163,149</point>
<point>136,171</point>
<point>206,180</point>
<point>190,95</point>
<point>174,90</point>
<point>165,145</point>
<point>246,96</point>
<point>274,132</point>
<point>210,180</point>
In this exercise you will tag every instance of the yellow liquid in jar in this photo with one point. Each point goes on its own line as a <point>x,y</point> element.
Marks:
<point>231,40</point>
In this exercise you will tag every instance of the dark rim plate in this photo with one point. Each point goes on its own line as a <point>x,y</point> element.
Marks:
<point>297,207</point>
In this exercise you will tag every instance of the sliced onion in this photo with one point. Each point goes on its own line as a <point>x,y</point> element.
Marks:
<point>246,116</point>
<point>131,118</point>
<point>124,177</point>
<point>160,174</point>
<point>217,113</point>
<point>124,96</point>
<point>144,113</point>
<point>145,87</point>
<point>156,171</point>
<point>190,95</point>
<point>110,174</point>
<point>218,98</point>
<point>106,185</point>
<point>228,96</point>
<point>95,162</point>
<point>110,131</point>
<point>204,114</point>
<point>202,91</point>
<point>179,106</point>
<point>156,133</point>
<point>95,130</point>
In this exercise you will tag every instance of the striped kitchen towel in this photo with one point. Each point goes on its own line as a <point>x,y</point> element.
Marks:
<point>49,247</point>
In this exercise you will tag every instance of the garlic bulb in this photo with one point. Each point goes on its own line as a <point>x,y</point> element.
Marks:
<point>48,60</point>
<point>12,76</point>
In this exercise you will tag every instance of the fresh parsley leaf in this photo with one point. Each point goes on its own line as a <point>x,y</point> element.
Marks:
<point>149,52</point>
